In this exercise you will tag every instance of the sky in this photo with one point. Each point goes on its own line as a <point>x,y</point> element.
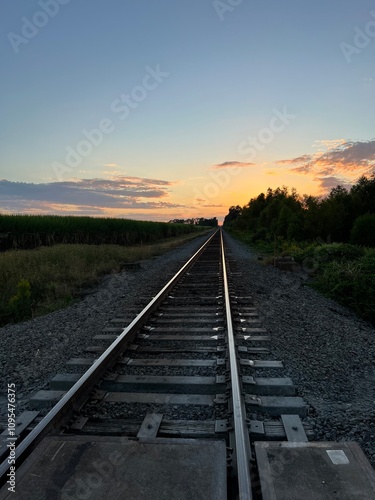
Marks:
<point>170,109</point>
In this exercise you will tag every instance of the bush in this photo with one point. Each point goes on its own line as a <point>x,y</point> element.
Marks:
<point>321,255</point>
<point>352,283</point>
<point>20,304</point>
<point>363,231</point>
<point>260,235</point>
<point>290,247</point>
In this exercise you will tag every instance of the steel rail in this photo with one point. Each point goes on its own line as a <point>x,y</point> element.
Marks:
<point>242,441</point>
<point>76,396</point>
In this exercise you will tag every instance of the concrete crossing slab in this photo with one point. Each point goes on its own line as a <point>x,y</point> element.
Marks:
<point>97,467</point>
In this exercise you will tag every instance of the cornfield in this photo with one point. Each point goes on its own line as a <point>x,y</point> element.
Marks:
<point>32,231</point>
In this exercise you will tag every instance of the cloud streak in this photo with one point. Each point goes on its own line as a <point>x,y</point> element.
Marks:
<point>233,164</point>
<point>86,195</point>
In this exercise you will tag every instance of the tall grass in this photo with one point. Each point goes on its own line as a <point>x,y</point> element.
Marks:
<point>32,231</point>
<point>35,282</point>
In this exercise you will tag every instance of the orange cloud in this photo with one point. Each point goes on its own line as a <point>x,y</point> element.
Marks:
<point>342,162</point>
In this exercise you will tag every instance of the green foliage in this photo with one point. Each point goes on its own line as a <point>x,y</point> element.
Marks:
<point>323,254</point>
<point>352,283</point>
<point>363,231</point>
<point>338,252</point>
<point>259,235</point>
<point>32,231</point>
<point>20,304</point>
<point>290,247</point>
<point>342,271</point>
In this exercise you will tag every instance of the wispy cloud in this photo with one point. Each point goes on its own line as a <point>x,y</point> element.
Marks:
<point>349,156</point>
<point>203,204</point>
<point>324,145</point>
<point>230,164</point>
<point>86,195</point>
<point>298,160</point>
<point>212,206</point>
<point>336,162</point>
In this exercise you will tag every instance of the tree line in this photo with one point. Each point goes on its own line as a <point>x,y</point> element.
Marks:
<point>345,215</point>
<point>198,221</point>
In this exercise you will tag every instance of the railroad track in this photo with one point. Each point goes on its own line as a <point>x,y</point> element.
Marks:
<point>186,394</point>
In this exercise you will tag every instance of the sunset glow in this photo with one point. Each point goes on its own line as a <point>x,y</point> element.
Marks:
<point>163,110</point>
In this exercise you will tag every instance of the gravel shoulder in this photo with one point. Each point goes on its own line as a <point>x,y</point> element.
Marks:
<point>327,350</point>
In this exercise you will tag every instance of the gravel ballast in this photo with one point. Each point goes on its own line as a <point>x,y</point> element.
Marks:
<point>31,353</point>
<point>326,349</point>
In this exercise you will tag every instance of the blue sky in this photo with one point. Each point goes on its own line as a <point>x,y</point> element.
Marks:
<point>225,72</point>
